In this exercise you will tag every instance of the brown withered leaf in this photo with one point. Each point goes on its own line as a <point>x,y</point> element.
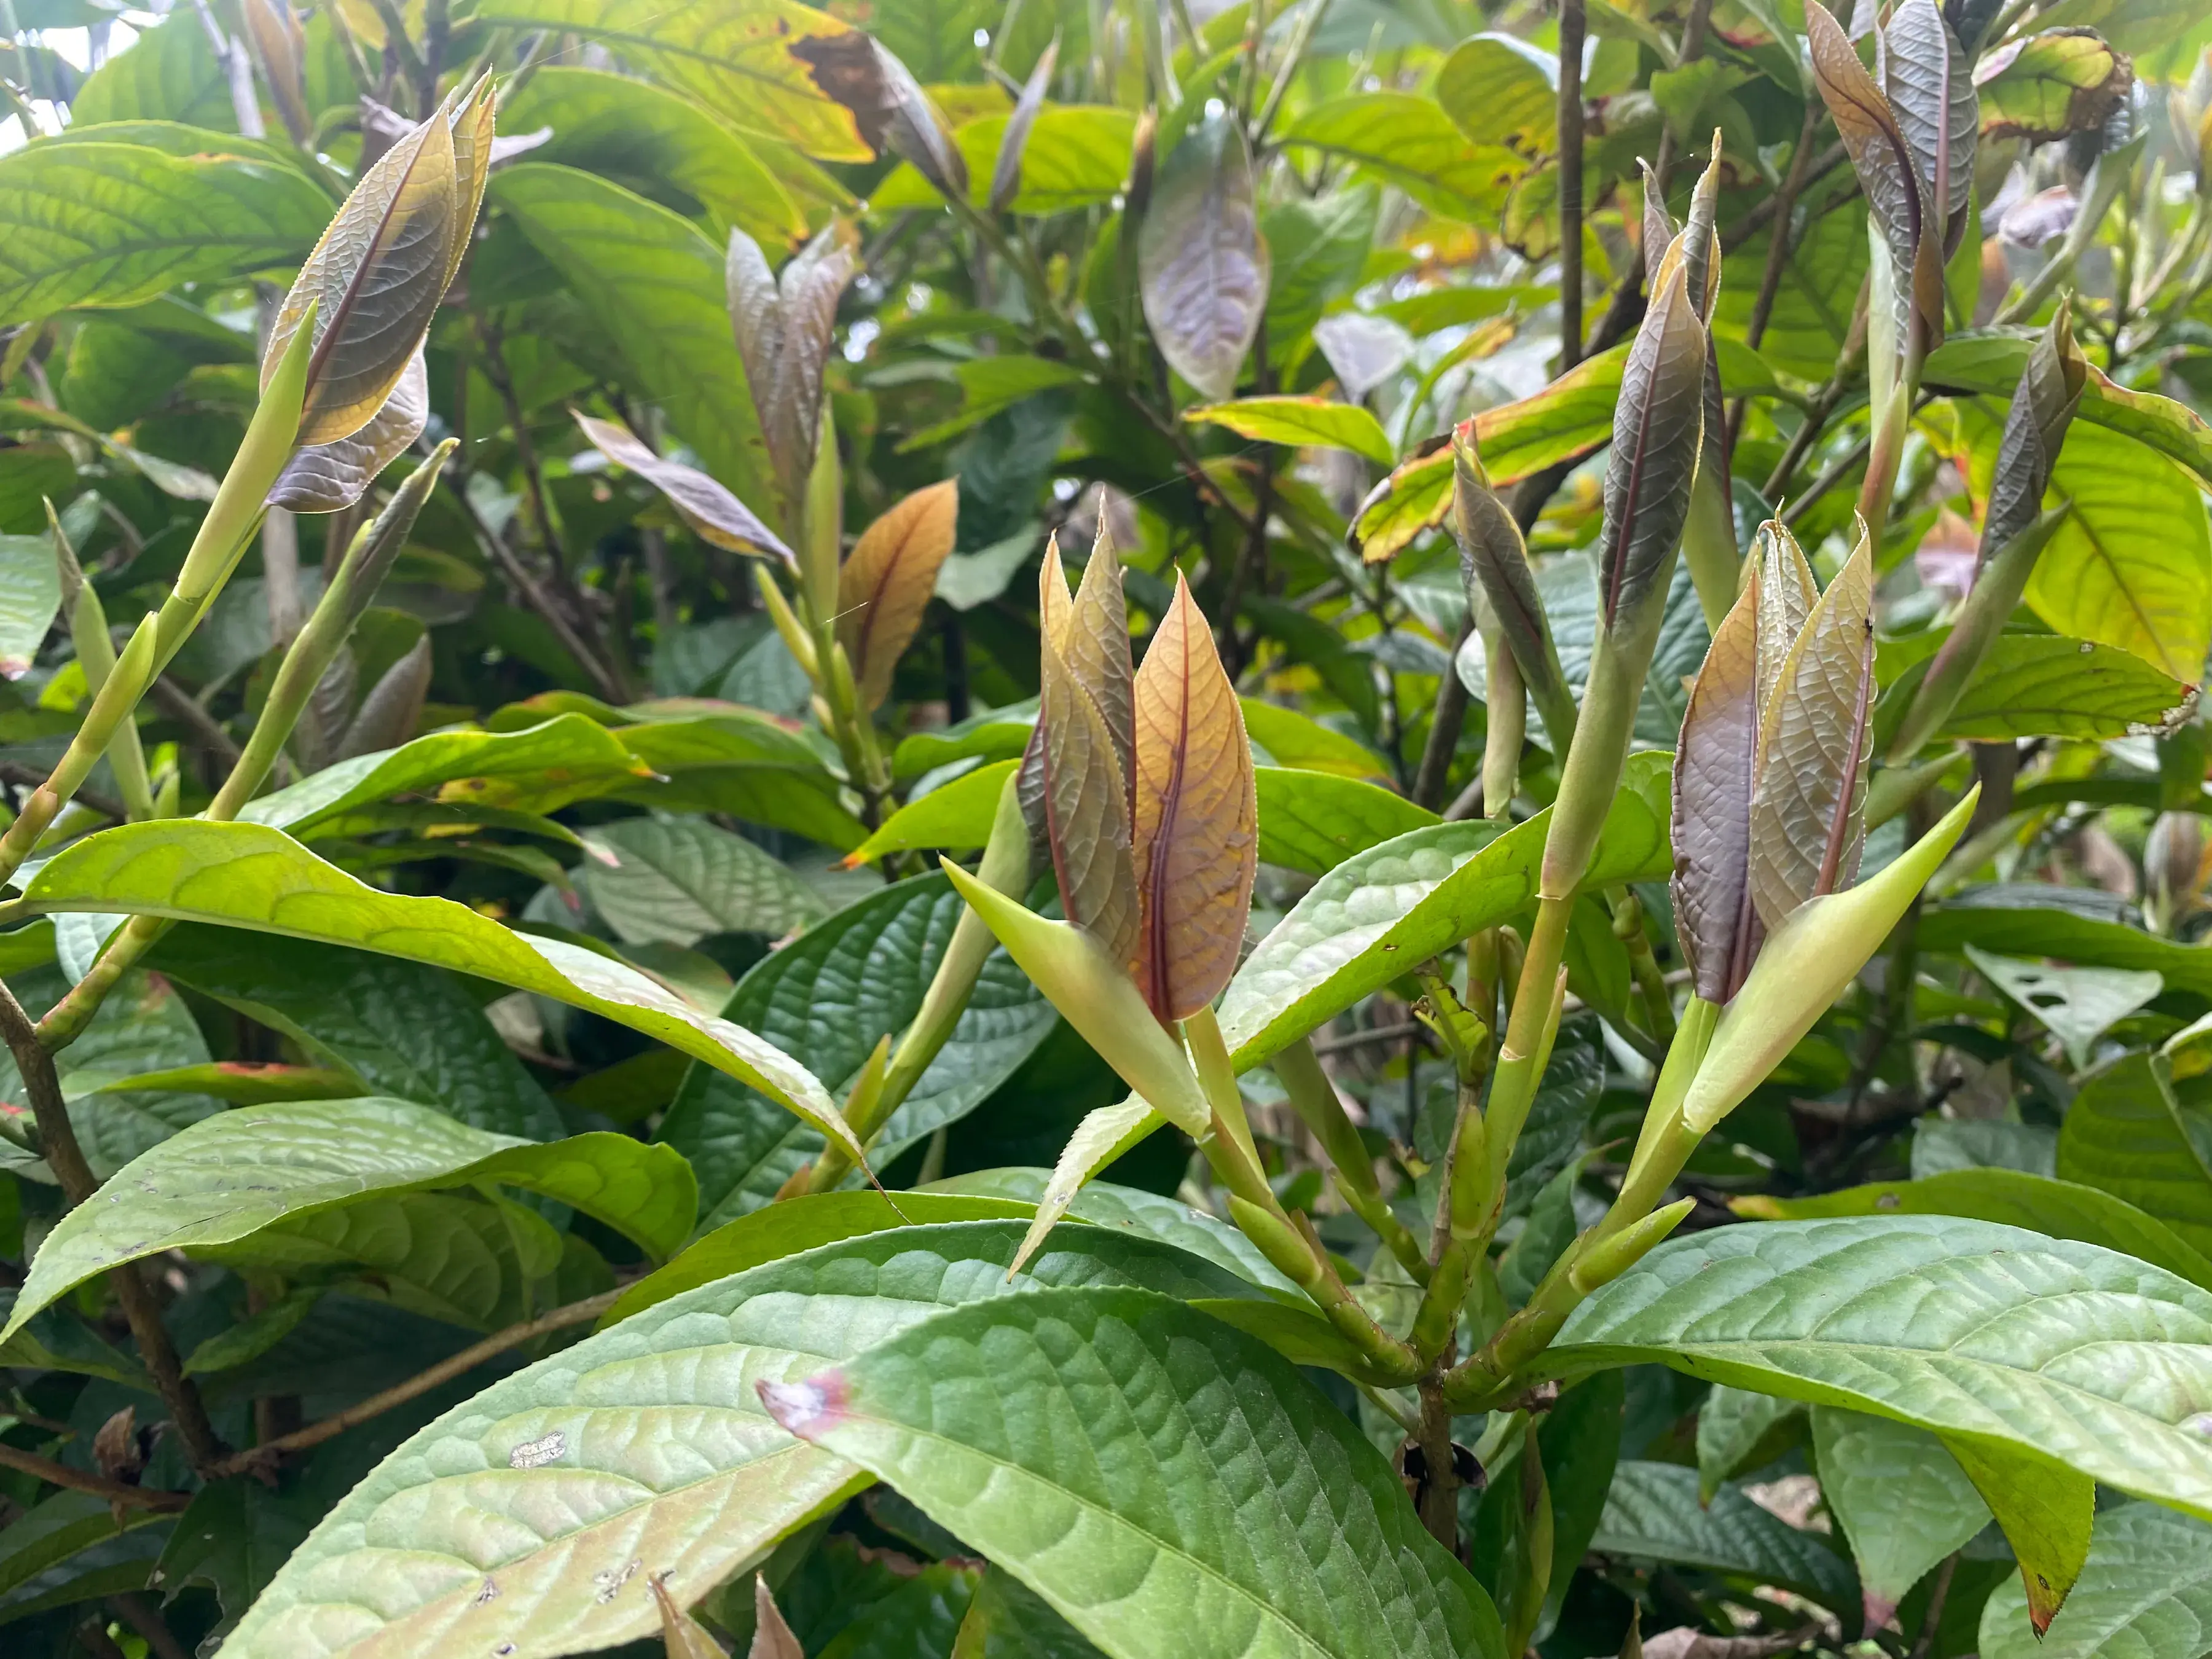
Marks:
<point>784,329</point>
<point>714,513</point>
<point>1657,426</point>
<point>1086,805</point>
<point>1197,819</point>
<point>1201,265</point>
<point>888,104</point>
<point>1808,816</point>
<point>2043,406</point>
<point>326,478</point>
<point>684,1636</point>
<point>1006,172</point>
<point>1887,171</point>
<point>1096,644</point>
<point>1715,777</point>
<point>885,584</point>
<point>1931,85</point>
<point>378,276</point>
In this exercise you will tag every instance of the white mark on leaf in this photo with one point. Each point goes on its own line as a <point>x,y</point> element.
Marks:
<point>537,1454</point>
<point>609,1580</point>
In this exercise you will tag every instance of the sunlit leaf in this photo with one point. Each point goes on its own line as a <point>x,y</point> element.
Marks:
<point>1202,266</point>
<point>886,582</point>
<point>2046,86</point>
<point>1301,421</point>
<point>1194,819</point>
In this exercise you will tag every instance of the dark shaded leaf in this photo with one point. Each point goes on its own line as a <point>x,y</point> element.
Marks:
<point>888,107</point>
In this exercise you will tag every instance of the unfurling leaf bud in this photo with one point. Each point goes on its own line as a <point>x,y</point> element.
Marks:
<point>784,327</point>
<point>1493,563</point>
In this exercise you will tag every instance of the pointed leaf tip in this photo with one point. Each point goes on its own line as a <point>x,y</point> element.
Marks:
<point>886,582</point>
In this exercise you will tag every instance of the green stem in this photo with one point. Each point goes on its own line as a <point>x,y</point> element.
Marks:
<point>1314,1099</point>
<point>1643,965</point>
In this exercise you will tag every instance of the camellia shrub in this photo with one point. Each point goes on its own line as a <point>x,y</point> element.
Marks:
<point>1004,830</point>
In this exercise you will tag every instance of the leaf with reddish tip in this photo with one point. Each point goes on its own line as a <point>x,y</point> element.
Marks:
<point>326,478</point>
<point>1083,789</point>
<point>1930,85</point>
<point>1202,269</point>
<point>718,517</point>
<point>1808,817</point>
<point>1716,776</point>
<point>376,278</point>
<point>1196,817</point>
<point>1887,169</point>
<point>886,582</point>
<point>1658,426</point>
<point>1006,172</point>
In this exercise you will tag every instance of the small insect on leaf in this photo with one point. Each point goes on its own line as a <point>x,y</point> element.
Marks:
<point>1202,268</point>
<point>886,583</point>
<point>1808,817</point>
<point>784,327</point>
<point>1196,816</point>
<point>1007,172</point>
<point>382,267</point>
<point>1084,790</point>
<point>718,517</point>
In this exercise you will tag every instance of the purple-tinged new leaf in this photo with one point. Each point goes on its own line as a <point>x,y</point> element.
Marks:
<point>1930,85</point>
<point>1657,426</point>
<point>1202,269</point>
<point>1006,172</point>
<point>716,515</point>
<point>1715,777</point>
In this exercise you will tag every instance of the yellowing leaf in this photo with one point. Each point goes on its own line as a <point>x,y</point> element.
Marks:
<point>886,582</point>
<point>1196,838</point>
<point>1301,421</point>
<point>2045,1511</point>
<point>376,278</point>
<point>1808,817</point>
<point>716,515</point>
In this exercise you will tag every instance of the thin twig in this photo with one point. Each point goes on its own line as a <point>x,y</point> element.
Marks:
<point>518,577</point>
<point>1938,1594</point>
<point>576,1313</point>
<point>30,777</point>
<point>1360,1039</point>
<point>1778,252</point>
<point>186,710</point>
<point>115,1491</point>
<point>1444,729</point>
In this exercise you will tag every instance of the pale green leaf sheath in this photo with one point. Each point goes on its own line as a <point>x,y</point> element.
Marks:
<point>536,1514</point>
<point>2067,1354</point>
<point>1168,1485</point>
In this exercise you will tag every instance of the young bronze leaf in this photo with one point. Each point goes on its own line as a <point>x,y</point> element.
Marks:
<point>1493,565</point>
<point>1930,85</point>
<point>281,46</point>
<point>1095,643</point>
<point>783,331</point>
<point>2043,406</point>
<point>886,582</point>
<point>1658,426</point>
<point>888,104</point>
<point>772,1634</point>
<point>1787,594</point>
<point>1086,805</point>
<point>1658,223</point>
<point>1888,172</point>
<point>378,276</point>
<point>717,516</point>
<point>1197,816</point>
<point>1808,816</point>
<point>1716,776</point>
<point>1006,172</point>
<point>1201,266</point>
<point>326,478</point>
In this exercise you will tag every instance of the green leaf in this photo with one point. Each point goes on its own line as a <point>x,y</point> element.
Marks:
<point>1300,422</point>
<point>399,1028</point>
<point>243,875</point>
<point>2145,1593</point>
<point>1988,1335</point>
<point>1406,140</point>
<point>2047,1516</point>
<point>2062,1209</point>
<point>566,758</point>
<point>1812,307</point>
<point>2127,1135</point>
<point>1734,1428</point>
<point>1502,91</point>
<point>2034,685</point>
<point>826,999</point>
<point>2015,931</point>
<point>73,1547</point>
<point>649,1430</point>
<point>1009,1620</point>
<point>30,597</point>
<point>1283,737</point>
<point>227,1177</point>
<point>169,73</point>
<point>1652,1513</point>
<point>740,762</point>
<point>1386,910</point>
<point>1901,1499</point>
<point>996,734</point>
<point>653,283</point>
<point>1077,156</point>
<point>2042,87</point>
<point>84,222</point>
<point>1311,822</point>
<point>649,140</point>
<point>953,816</point>
<point>990,386</point>
<point>676,880</point>
<point>2077,1005</point>
<point>743,62</point>
<point>1082,1440</point>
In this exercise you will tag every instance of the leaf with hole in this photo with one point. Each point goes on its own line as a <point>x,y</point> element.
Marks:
<point>2077,1005</point>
